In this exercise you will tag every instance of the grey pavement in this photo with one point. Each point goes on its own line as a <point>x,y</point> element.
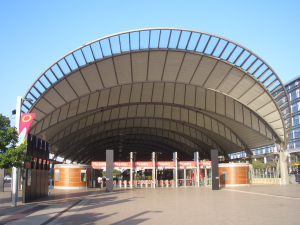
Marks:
<point>257,204</point>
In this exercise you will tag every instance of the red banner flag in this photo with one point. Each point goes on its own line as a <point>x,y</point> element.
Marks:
<point>25,122</point>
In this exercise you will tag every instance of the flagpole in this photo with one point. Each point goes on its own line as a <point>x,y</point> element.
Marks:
<point>15,171</point>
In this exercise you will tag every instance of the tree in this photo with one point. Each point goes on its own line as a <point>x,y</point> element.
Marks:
<point>257,164</point>
<point>8,135</point>
<point>116,173</point>
<point>11,155</point>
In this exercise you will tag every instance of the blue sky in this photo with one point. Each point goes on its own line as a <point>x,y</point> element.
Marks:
<point>34,34</point>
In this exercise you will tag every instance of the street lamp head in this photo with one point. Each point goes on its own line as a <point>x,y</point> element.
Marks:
<point>27,99</point>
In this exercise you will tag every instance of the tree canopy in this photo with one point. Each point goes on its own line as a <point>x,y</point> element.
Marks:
<point>257,164</point>
<point>8,135</point>
<point>11,155</point>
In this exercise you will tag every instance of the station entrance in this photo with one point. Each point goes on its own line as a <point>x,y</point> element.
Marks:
<point>155,174</point>
<point>159,90</point>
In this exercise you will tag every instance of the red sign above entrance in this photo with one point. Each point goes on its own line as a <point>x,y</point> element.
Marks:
<point>205,163</point>
<point>150,164</point>
<point>186,163</point>
<point>142,164</point>
<point>165,164</point>
<point>98,164</point>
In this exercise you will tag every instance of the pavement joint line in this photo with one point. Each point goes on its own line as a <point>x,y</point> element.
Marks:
<point>23,214</point>
<point>17,211</point>
<point>253,193</point>
<point>59,214</point>
<point>59,220</point>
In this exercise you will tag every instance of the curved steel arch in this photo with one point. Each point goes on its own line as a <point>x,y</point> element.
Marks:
<point>63,135</point>
<point>200,137</point>
<point>155,146</point>
<point>178,45</point>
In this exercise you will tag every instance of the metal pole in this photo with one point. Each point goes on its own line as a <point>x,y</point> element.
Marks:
<point>196,158</point>
<point>15,175</point>
<point>176,169</point>
<point>153,169</point>
<point>131,165</point>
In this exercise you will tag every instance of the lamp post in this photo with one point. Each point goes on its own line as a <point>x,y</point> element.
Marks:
<point>15,171</point>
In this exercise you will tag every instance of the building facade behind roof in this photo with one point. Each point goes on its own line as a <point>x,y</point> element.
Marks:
<point>293,89</point>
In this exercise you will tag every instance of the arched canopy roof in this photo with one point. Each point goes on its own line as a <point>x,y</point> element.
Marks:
<point>160,89</point>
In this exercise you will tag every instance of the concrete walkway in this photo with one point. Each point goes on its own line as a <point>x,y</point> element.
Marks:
<point>256,204</point>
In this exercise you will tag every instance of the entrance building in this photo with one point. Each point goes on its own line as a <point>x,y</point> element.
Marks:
<point>159,90</point>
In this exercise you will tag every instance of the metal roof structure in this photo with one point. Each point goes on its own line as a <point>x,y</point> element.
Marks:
<point>162,90</point>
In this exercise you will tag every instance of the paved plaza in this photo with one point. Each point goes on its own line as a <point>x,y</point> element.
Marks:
<point>256,204</point>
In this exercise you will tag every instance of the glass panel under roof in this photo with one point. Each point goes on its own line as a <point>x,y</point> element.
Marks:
<point>164,38</point>
<point>144,39</point>
<point>79,57</point>
<point>174,38</point>
<point>211,45</point>
<point>96,50</point>
<point>184,38</point>
<point>115,44</point>
<point>124,38</point>
<point>88,53</point>
<point>202,43</point>
<point>220,47</point>
<point>105,46</point>
<point>193,41</point>
<point>134,40</point>
<point>154,37</point>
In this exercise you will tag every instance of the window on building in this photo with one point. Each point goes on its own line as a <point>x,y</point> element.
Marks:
<point>83,175</point>
<point>297,144</point>
<point>292,135</point>
<point>295,120</point>
<point>248,175</point>
<point>297,132</point>
<point>56,175</point>
<point>293,95</point>
<point>295,107</point>
<point>225,175</point>
<point>292,84</point>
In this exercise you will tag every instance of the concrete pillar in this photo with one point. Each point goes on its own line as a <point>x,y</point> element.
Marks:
<point>214,169</point>
<point>175,169</point>
<point>184,177</point>
<point>131,168</point>
<point>14,186</point>
<point>196,159</point>
<point>109,170</point>
<point>1,180</point>
<point>205,176</point>
<point>290,168</point>
<point>284,178</point>
<point>153,169</point>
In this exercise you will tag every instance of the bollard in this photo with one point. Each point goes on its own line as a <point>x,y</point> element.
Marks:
<point>115,183</point>
<point>125,183</point>
<point>156,183</point>
<point>167,183</point>
<point>146,183</point>
<point>135,183</point>
<point>101,184</point>
<point>141,183</point>
<point>150,182</point>
<point>120,184</point>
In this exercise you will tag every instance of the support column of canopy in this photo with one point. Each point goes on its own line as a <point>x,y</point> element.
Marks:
<point>176,169</point>
<point>196,159</point>
<point>109,170</point>
<point>153,169</point>
<point>131,167</point>
<point>283,164</point>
